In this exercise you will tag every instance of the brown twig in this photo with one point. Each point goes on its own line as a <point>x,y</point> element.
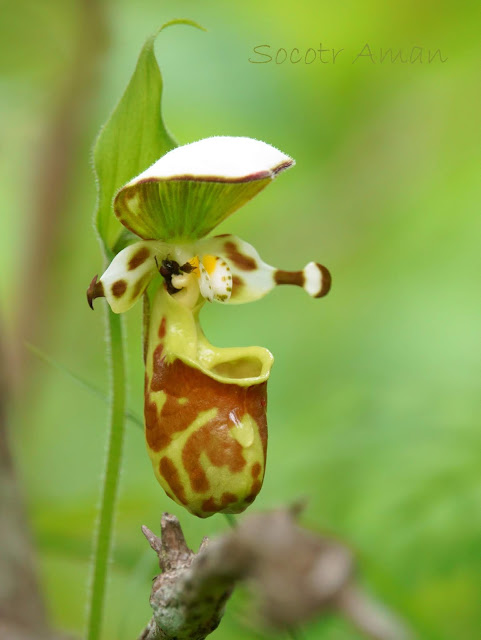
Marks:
<point>188,601</point>
<point>294,574</point>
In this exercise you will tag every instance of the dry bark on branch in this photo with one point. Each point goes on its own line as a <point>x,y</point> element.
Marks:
<point>188,601</point>
<point>294,574</point>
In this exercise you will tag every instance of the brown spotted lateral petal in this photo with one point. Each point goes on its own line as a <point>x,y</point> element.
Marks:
<point>205,407</point>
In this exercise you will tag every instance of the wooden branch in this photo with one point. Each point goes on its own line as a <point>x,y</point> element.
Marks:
<point>188,602</point>
<point>294,574</point>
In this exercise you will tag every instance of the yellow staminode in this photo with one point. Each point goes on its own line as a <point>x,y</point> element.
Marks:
<point>215,278</point>
<point>210,263</point>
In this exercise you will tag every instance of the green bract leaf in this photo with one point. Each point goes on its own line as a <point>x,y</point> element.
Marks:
<point>191,189</point>
<point>133,137</point>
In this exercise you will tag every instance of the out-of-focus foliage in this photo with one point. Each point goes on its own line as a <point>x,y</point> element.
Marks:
<point>375,409</point>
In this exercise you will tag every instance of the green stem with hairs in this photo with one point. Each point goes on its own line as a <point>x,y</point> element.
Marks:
<point>104,532</point>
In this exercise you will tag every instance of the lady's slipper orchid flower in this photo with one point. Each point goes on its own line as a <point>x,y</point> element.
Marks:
<point>205,407</point>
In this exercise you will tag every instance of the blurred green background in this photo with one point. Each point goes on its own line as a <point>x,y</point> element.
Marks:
<point>375,406</point>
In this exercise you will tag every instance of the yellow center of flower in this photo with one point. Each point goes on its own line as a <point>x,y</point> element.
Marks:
<point>210,263</point>
<point>213,275</point>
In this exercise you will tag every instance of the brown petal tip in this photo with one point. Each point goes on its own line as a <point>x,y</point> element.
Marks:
<point>326,281</point>
<point>95,290</point>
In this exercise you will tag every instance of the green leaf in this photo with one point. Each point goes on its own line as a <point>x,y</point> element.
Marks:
<point>132,139</point>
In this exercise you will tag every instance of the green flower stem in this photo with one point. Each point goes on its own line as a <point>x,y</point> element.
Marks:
<point>104,533</point>
<point>231,520</point>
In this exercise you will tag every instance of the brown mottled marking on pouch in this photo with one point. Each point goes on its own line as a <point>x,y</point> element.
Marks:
<point>289,277</point>
<point>222,449</point>
<point>326,280</point>
<point>119,288</point>
<point>162,328</point>
<point>227,499</point>
<point>138,258</point>
<point>209,505</point>
<point>256,487</point>
<point>245,263</point>
<point>168,470</point>
<point>255,470</point>
<point>172,418</point>
<point>215,439</point>
<point>179,380</point>
<point>156,438</point>
<point>157,355</point>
